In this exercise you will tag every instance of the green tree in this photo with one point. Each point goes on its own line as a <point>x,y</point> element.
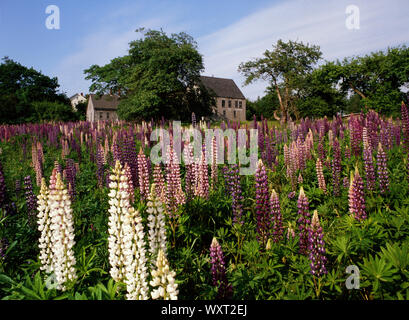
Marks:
<point>20,87</point>
<point>284,68</point>
<point>264,106</point>
<point>376,78</point>
<point>160,76</point>
<point>52,111</point>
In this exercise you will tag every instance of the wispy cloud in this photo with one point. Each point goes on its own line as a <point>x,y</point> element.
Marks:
<point>316,22</point>
<point>320,22</point>
<point>101,47</point>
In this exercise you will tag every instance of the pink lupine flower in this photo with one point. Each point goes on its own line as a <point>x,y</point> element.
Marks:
<point>320,176</point>
<point>159,182</point>
<point>202,187</point>
<point>143,174</point>
<point>356,197</point>
<point>263,209</point>
<point>174,193</point>
<point>277,218</point>
<point>130,189</point>
<point>383,175</point>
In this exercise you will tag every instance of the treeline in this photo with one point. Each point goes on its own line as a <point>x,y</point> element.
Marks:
<point>300,88</point>
<point>26,95</point>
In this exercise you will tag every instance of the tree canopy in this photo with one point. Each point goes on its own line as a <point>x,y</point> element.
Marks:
<point>284,67</point>
<point>373,81</point>
<point>160,76</point>
<point>20,87</point>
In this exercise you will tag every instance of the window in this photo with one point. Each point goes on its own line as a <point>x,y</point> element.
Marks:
<point>224,112</point>
<point>100,115</point>
<point>107,115</point>
<point>236,103</point>
<point>240,104</point>
<point>229,103</point>
<point>223,103</point>
<point>234,113</point>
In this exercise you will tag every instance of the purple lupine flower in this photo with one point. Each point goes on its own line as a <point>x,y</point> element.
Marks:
<point>277,218</point>
<point>336,167</point>
<point>356,197</point>
<point>291,195</point>
<point>369,169</point>
<point>263,209</point>
<point>143,174</point>
<point>383,176</point>
<point>316,247</point>
<point>31,199</point>
<point>219,277</point>
<point>303,220</point>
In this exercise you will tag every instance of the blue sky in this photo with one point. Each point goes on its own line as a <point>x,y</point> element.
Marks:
<point>227,32</point>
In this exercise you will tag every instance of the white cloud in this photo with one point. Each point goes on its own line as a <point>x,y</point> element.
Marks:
<point>382,24</point>
<point>316,22</point>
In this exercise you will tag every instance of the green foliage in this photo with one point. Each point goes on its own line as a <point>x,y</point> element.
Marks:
<point>283,67</point>
<point>21,87</point>
<point>160,76</point>
<point>51,111</point>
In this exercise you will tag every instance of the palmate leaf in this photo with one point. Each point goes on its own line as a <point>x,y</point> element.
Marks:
<point>377,270</point>
<point>397,255</point>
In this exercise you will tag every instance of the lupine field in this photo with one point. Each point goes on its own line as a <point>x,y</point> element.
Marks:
<point>85,214</point>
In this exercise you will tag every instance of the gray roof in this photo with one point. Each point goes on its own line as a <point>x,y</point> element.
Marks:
<point>105,102</point>
<point>222,87</point>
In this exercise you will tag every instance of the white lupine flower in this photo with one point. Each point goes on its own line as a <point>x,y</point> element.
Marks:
<point>62,239</point>
<point>44,222</point>
<point>164,279</point>
<point>126,239</point>
<point>156,224</point>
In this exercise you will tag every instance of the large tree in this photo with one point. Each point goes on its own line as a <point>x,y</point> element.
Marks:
<point>20,87</point>
<point>160,76</point>
<point>284,68</point>
<point>377,78</point>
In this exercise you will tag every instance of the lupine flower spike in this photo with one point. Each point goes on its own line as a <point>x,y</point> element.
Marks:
<point>219,277</point>
<point>62,226</point>
<point>316,247</point>
<point>163,280</point>
<point>156,224</point>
